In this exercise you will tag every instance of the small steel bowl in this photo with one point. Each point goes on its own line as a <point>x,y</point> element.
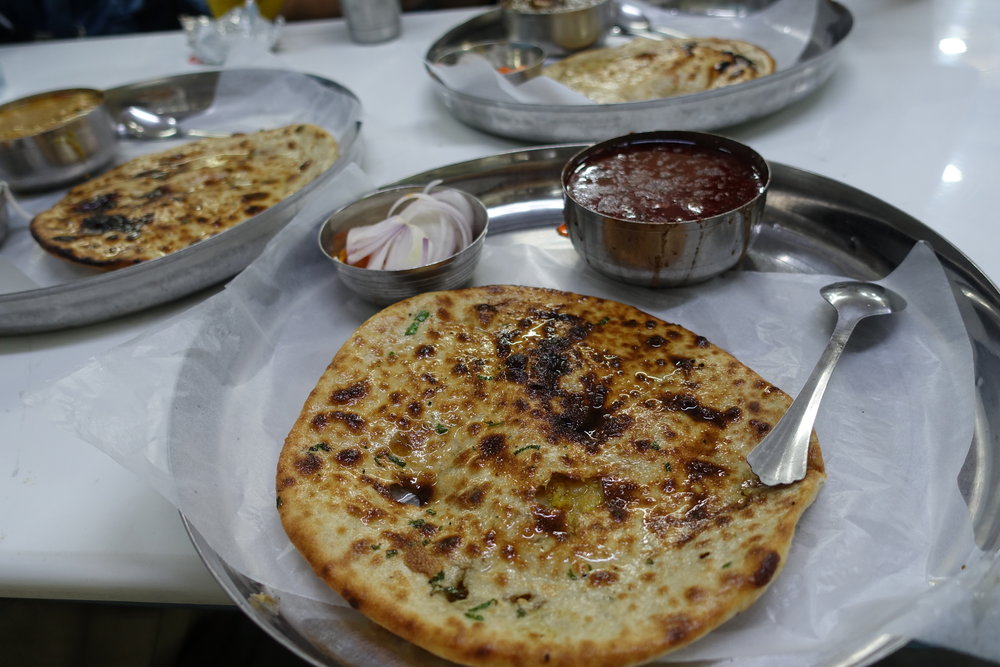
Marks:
<point>55,138</point>
<point>664,253</point>
<point>559,26</point>
<point>386,287</point>
<point>516,61</point>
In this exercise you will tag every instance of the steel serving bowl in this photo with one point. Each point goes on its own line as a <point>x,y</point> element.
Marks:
<point>658,252</point>
<point>55,138</point>
<point>387,287</point>
<point>558,26</point>
<point>516,61</point>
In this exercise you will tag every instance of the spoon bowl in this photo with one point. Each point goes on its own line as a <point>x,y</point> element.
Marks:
<point>863,297</point>
<point>140,123</point>
<point>782,456</point>
<point>633,22</point>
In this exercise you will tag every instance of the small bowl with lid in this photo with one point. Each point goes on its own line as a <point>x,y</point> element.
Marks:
<point>384,286</point>
<point>55,138</point>
<point>664,208</point>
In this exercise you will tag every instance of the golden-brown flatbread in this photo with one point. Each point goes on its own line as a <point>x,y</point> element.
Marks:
<point>645,69</point>
<point>520,476</point>
<point>162,202</point>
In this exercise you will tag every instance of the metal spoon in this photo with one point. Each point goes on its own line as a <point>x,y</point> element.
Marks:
<point>142,123</point>
<point>631,21</point>
<point>781,457</point>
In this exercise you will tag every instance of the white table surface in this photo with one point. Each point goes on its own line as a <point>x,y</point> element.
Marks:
<point>908,117</point>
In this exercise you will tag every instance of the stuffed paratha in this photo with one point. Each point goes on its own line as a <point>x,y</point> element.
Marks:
<point>517,476</point>
<point>645,69</point>
<point>162,202</point>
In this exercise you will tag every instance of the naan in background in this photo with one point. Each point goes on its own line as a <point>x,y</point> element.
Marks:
<point>645,69</point>
<point>162,202</point>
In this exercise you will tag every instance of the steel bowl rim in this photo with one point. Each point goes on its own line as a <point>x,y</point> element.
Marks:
<point>594,4</point>
<point>564,30</point>
<point>693,136</point>
<point>400,273</point>
<point>101,104</point>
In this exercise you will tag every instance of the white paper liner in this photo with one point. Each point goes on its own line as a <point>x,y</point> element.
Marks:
<point>200,409</point>
<point>475,75</point>
<point>246,100</point>
<point>784,28</point>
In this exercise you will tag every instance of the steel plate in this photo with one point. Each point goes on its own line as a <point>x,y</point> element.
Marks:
<point>699,111</point>
<point>103,296</point>
<point>812,225</point>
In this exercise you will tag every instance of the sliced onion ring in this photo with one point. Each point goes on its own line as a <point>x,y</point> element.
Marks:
<point>421,228</point>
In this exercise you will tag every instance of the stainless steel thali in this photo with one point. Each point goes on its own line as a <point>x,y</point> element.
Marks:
<point>700,111</point>
<point>103,296</point>
<point>812,225</point>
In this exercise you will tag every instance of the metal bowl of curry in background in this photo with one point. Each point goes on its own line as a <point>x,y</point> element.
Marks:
<point>384,287</point>
<point>558,26</point>
<point>55,138</point>
<point>614,238</point>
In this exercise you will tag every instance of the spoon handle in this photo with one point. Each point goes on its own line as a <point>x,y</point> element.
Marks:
<point>207,134</point>
<point>782,456</point>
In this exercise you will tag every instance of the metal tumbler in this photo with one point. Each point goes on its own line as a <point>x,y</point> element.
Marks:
<point>370,21</point>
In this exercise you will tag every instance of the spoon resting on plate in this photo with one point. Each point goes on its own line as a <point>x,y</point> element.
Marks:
<point>631,21</point>
<point>140,123</point>
<point>782,456</point>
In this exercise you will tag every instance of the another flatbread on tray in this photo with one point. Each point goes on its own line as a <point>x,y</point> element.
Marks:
<point>521,476</point>
<point>645,69</point>
<point>162,202</point>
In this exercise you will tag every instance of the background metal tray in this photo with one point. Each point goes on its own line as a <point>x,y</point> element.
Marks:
<point>103,296</point>
<point>699,111</point>
<point>812,225</point>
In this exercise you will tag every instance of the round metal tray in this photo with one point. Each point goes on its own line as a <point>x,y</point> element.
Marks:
<point>812,225</point>
<point>104,296</point>
<point>699,111</point>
